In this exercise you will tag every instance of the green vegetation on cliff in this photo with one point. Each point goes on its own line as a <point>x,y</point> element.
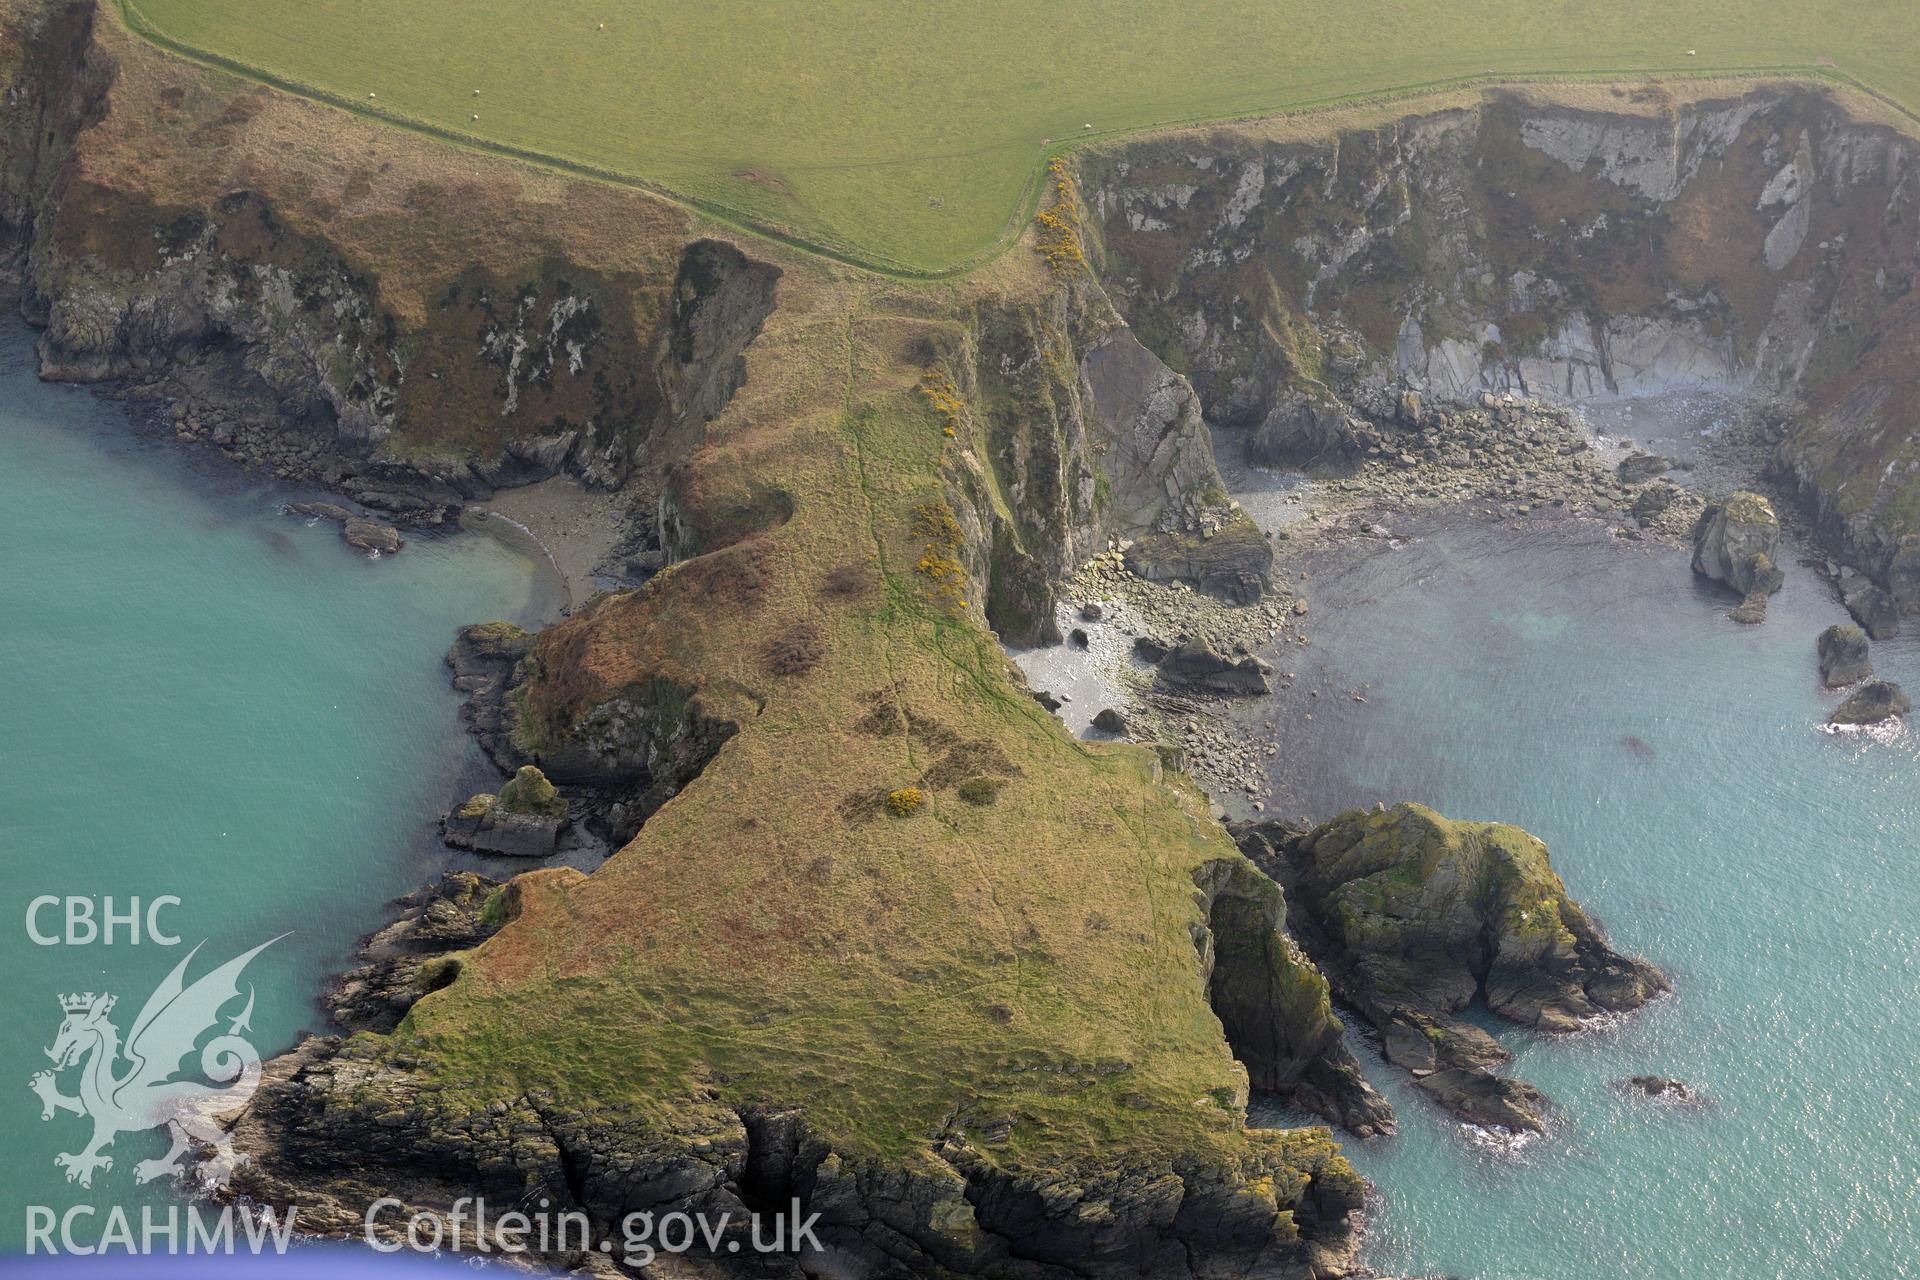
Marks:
<point>528,791</point>
<point>905,137</point>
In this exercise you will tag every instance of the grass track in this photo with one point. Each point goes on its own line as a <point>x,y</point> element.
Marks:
<point>907,138</point>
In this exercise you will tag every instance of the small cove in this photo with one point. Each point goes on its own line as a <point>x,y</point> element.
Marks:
<point>203,697</point>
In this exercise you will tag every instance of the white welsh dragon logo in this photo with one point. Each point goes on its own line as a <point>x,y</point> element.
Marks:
<point>144,1095</point>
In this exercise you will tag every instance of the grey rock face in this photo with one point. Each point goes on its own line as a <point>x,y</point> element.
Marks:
<point>483,659</point>
<point>1197,665</point>
<point>1396,232</point>
<point>1872,607</point>
<point>485,825</point>
<point>1843,656</point>
<point>1735,541</point>
<point>1307,427</point>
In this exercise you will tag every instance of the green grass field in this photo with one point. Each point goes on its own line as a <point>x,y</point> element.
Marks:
<point>906,136</point>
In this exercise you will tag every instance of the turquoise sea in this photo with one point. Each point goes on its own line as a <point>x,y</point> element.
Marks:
<point>1592,692</point>
<point>205,698</point>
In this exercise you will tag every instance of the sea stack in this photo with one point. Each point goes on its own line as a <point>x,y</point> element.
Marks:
<point>1735,542</point>
<point>1873,702</point>
<point>1843,656</point>
<point>1412,916</point>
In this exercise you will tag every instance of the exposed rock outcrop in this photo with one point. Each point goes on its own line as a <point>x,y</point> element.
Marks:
<point>1844,659</point>
<point>1735,542</point>
<point>523,821</point>
<point>375,537</point>
<point>1872,607</point>
<point>1196,664</point>
<point>416,952</point>
<point>483,658</point>
<point>1874,702</point>
<point>1412,917</point>
<point>1662,1088</point>
<point>1309,426</point>
<point>1274,1005</point>
<point>1107,444</point>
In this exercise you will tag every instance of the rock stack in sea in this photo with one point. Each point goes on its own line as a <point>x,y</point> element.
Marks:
<point>375,537</point>
<point>1735,542</point>
<point>1874,702</point>
<point>1412,916</point>
<point>1844,659</point>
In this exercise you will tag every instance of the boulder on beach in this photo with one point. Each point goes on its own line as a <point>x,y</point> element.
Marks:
<point>1410,411</point>
<point>1871,703</point>
<point>1843,656</point>
<point>1110,721</point>
<point>1638,468</point>
<point>1198,665</point>
<point>1220,551</point>
<point>1151,648</point>
<point>1652,502</point>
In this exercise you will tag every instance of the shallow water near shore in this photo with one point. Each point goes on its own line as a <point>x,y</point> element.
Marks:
<point>1595,694</point>
<point>205,698</point>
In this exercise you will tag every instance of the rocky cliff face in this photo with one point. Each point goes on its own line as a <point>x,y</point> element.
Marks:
<point>1274,1004</point>
<point>287,315</point>
<point>1084,436</point>
<point>1765,241</point>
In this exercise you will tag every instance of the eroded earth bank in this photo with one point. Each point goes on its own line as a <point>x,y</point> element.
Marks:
<point>880,935</point>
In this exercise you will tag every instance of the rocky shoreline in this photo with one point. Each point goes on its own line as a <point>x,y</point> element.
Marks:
<point>1502,459</point>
